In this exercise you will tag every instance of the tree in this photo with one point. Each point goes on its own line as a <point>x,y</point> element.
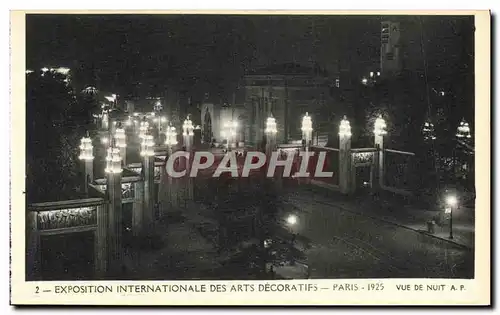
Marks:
<point>251,218</point>
<point>52,120</point>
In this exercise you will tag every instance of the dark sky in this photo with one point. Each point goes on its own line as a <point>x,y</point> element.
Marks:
<point>126,49</point>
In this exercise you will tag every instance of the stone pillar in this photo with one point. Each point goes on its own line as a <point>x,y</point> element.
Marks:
<point>345,157</point>
<point>101,243</point>
<point>148,172</point>
<point>33,246</point>
<point>306,132</point>
<point>114,190</point>
<point>170,190</point>
<point>87,156</point>
<point>138,208</point>
<point>114,196</point>
<point>378,158</point>
<point>162,189</point>
<point>105,121</point>
<point>270,132</point>
<point>187,134</point>
<point>121,142</point>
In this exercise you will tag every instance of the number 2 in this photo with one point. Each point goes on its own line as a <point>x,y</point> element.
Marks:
<point>37,289</point>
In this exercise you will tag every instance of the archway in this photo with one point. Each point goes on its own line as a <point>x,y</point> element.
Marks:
<point>207,128</point>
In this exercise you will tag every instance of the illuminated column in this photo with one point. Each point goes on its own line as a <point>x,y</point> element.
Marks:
<point>229,133</point>
<point>87,156</point>
<point>163,129</point>
<point>428,131</point>
<point>129,123</point>
<point>138,208</point>
<point>270,132</point>
<point>147,154</point>
<point>105,120</point>
<point>306,131</point>
<point>463,131</point>
<point>187,133</point>
<point>345,156</point>
<point>121,142</point>
<point>114,192</point>
<point>101,241</point>
<point>379,132</point>
<point>113,126</point>
<point>143,129</point>
<point>167,184</point>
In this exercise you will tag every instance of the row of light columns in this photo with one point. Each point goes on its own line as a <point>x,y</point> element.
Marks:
<point>346,171</point>
<point>109,230</point>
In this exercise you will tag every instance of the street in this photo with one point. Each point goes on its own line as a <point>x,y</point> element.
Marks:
<point>349,245</point>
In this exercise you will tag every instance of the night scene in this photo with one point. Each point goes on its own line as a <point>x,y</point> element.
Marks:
<point>249,147</point>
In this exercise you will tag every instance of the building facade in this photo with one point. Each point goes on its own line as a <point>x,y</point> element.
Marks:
<point>286,92</point>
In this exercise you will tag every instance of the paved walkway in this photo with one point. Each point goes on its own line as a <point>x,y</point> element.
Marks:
<point>181,253</point>
<point>406,215</point>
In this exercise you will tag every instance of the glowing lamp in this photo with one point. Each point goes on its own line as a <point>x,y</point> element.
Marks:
<point>463,130</point>
<point>428,131</point>
<point>120,138</point>
<point>171,136</point>
<point>380,126</point>
<point>147,146</point>
<point>451,201</point>
<point>292,219</point>
<point>306,123</point>
<point>345,128</point>
<point>187,127</point>
<point>271,126</point>
<point>86,149</point>
<point>143,129</point>
<point>129,121</point>
<point>113,161</point>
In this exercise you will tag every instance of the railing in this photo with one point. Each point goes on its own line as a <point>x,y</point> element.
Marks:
<point>331,164</point>
<point>66,215</point>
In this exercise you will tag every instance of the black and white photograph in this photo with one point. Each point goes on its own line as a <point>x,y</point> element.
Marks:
<point>244,146</point>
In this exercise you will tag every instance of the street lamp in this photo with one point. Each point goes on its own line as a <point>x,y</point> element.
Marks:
<point>463,130</point>
<point>143,129</point>
<point>229,132</point>
<point>113,161</point>
<point>271,126</point>
<point>158,106</point>
<point>345,128</point>
<point>380,126</point>
<point>307,129</point>
<point>163,122</point>
<point>187,133</point>
<point>291,219</point>
<point>104,140</point>
<point>451,202</point>
<point>86,149</point>
<point>129,122</point>
<point>147,145</point>
<point>171,136</point>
